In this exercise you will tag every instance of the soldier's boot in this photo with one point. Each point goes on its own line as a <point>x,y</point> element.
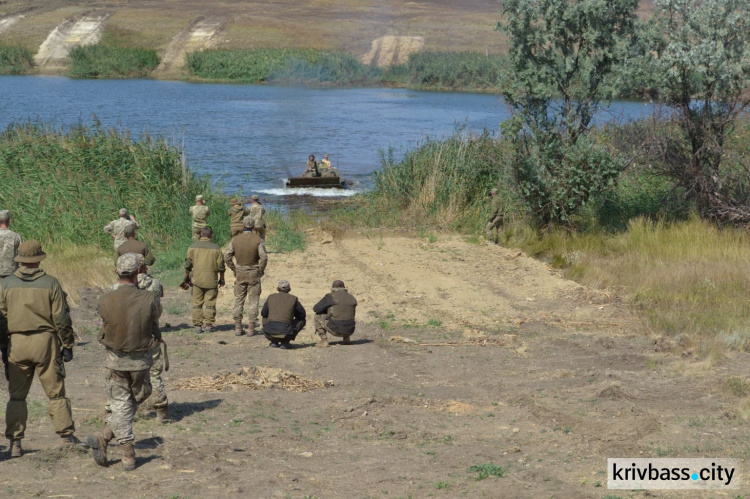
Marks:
<point>347,340</point>
<point>162,414</point>
<point>209,328</point>
<point>15,449</point>
<point>323,340</point>
<point>238,329</point>
<point>98,443</point>
<point>251,329</point>
<point>128,457</point>
<point>198,329</point>
<point>72,442</point>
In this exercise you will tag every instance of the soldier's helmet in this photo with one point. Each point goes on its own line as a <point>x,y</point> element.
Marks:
<point>493,191</point>
<point>127,265</point>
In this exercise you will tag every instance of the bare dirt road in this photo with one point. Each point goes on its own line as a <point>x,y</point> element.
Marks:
<point>466,357</point>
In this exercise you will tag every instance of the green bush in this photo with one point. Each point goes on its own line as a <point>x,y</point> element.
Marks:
<point>449,70</point>
<point>111,61</point>
<point>15,60</point>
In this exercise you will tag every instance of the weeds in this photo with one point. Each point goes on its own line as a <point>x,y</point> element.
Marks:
<point>487,470</point>
<point>15,60</point>
<point>112,61</point>
<point>285,231</point>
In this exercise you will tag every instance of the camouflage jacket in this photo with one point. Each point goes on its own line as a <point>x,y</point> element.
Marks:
<point>256,211</point>
<point>497,208</point>
<point>116,228</point>
<point>9,242</point>
<point>199,213</point>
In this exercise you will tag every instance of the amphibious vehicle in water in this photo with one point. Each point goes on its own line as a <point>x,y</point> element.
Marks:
<point>319,182</point>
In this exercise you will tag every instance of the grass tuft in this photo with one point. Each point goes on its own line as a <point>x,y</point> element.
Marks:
<point>15,60</point>
<point>112,61</point>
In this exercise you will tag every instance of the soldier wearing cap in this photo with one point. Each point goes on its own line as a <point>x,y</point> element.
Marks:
<point>326,162</point>
<point>257,211</point>
<point>38,337</point>
<point>250,253</point>
<point>203,264</point>
<point>312,167</point>
<point>130,331</point>
<point>236,213</point>
<point>497,211</point>
<point>116,228</point>
<point>9,242</point>
<point>334,314</point>
<point>283,316</point>
<point>199,213</point>
<point>133,245</point>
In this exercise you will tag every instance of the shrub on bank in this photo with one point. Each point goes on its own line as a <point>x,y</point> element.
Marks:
<point>449,70</point>
<point>15,60</point>
<point>111,61</point>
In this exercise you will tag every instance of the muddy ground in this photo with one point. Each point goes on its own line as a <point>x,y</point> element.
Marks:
<point>466,355</point>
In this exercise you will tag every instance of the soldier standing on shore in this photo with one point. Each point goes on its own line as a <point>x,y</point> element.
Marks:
<point>497,211</point>
<point>38,338</point>
<point>236,213</point>
<point>199,213</point>
<point>9,242</point>
<point>205,261</point>
<point>250,252</point>
<point>116,228</point>
<point>130,330</point>
<point>257,211</point>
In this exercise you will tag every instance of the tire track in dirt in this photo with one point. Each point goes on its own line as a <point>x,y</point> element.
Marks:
<point>392,50</point>
<point>69,34</point>
<point>201,33</point>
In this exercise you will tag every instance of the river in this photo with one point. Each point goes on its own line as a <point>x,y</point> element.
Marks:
<point>252,137</point>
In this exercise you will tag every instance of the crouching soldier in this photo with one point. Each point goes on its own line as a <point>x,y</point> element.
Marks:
<point>334,314</point>
<point>283,316</point>
<point>130,330</point>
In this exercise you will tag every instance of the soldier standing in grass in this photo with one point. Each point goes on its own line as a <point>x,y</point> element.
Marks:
<point>334,314</point>
<point>9,242</point>
<point>257,211</point>
<point>205,261</point>
<point>199,213</point>
<point>38,337</point>
<point>116,228</point>
<point>130,331</point>
<point>250,252</point>
<point>283,316</point>
<point>236,213</point>
<point>497,211</point>
<point>133,245</point>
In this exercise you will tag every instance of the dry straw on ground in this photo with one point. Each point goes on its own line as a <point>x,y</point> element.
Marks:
<point>251,378</point>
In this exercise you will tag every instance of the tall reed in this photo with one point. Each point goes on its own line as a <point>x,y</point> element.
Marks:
<point>15,60</point>
<point>112,61</point>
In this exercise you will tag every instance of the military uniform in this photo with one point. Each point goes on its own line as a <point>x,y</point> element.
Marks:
<point>205,261</point>
<point>258,213</point>
<point>117,227</point>
<point>496,218</point>
<point>137,247</point>
<point>250,252</point>
<point>335,315</point>
<point>283,318</point>
<point>9,242</point>
<point>130,332</point>
<point>38,326</point>
<point>236,213</point>
<point>312,169</point>
<point>199,213</point>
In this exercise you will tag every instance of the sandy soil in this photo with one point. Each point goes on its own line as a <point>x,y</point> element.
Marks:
<point>392,50</point>
<point>465,355</point>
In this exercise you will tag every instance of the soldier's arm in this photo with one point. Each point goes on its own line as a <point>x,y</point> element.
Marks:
<point>228,255</point>
<point>299,310</point>
<point>110,229</point>
<point>61,316</point>
<point>155,314</point>
<point>322,306</point>
<point>264,310</point>
<point>149,257</point>
<point>188,265</point>
<point>220,262</point>
<point>3,322</point>
<point>208,211</point>
<point>263,261</point>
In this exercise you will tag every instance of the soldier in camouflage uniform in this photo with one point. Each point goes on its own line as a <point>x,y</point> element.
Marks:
<point>203,263</point>
<point>38,338</point>
<point>133,245</point>
<point>496,217</point>
<point>334,314</point>
<point>130,330</point>
<point>159,400</point>
<point>312,168</point>
<point>257,211</point>
<point>116,228</point>
<point>199,213</point>
<point>236,213</point>
<point>9,242</point>
<point>250,252</point>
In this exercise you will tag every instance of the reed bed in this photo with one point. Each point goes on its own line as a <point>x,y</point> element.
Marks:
<point>15,60</point>
<point>112,61</point>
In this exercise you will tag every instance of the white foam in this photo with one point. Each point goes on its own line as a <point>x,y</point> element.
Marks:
<point>310,191</point>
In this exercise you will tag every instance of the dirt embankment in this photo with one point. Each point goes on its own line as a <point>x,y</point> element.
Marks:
<point>465,355</point>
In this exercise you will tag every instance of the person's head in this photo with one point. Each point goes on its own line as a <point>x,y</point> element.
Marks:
<point>207,232</point>
<point>325,157</point>
<point>338,285</point>
<point>255,198</point>
<point>127,267</point>
<point>248,223</point>
<point>284,286</point>
<point>493,192</point>
<point>123,213</point>
<point>234,201</point>
<point>199,199</point>
<point>311,157</point>
<point>129,230</point>
<point>29,254</point>
<point>4,218</point>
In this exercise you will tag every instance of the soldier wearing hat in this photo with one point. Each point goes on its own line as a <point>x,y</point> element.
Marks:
<point>236,213</point>
<point>250,253</point>
<point>9,242</point>
<point>130,331</point>
<point>283,316</point>
<point>326,162</point>
<point>199,213</point>
<point>312,167</point>
<point>334,314</point>
<point>257,211</point>
<point>203,264</point>
<point>133,245</point>
<point>497,212</point>
<point>38,337</point>
<point>116,228</point>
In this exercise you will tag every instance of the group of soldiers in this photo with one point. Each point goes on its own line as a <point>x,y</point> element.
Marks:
<point>322,168</point>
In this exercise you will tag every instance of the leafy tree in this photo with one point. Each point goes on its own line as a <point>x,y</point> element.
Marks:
<point>562,59</point>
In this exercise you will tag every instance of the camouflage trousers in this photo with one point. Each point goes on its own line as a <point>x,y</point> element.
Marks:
<point>159,389</point>
<point>204,305</point>
<point>197,231</point>
<point>40,353</point>
<point>125,390</point>
<point>321,327</point>
<point>492,229</point>
<point>246,285</point>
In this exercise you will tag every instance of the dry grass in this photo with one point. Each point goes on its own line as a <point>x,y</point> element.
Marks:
<point>251,378</point>
<point>79,266</point>
<point>31,31</point>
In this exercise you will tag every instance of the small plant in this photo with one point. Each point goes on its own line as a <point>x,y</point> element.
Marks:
<point>487,470</point>
<point>443,485</point>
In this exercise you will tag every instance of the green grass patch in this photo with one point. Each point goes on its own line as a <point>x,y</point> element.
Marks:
<point>487,470</point>
<point>285,231</point>
<point>15,60</point>
<point>448,71</point>
<point>112,61</point>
